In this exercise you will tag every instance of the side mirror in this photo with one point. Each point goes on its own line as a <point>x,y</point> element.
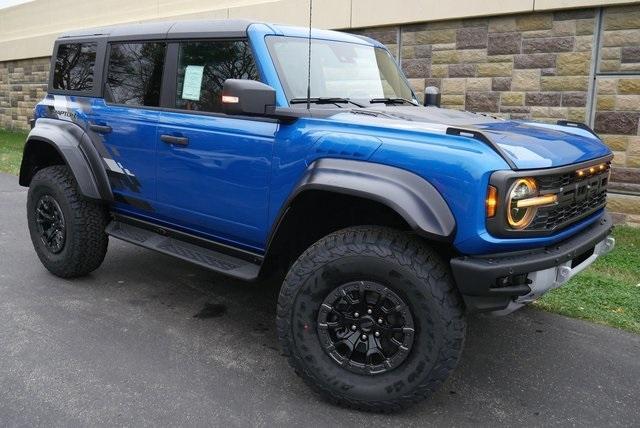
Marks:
<point>248,97</point>
<point>431,96</point>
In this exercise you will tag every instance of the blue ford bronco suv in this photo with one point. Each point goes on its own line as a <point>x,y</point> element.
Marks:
<point>392,220</point>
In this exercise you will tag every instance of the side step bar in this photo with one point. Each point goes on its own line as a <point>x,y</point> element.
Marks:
<point>205,257</point>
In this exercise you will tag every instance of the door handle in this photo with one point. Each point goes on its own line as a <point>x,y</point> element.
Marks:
<point>172,139</point>
<point>101,129</point>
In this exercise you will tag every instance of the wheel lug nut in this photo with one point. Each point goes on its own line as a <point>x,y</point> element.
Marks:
<point>369,311</point>
<point>379,320</point>
<point>353,327</point>
<point>377,334</point>
<point>356,315</point>
<point>364,337</point>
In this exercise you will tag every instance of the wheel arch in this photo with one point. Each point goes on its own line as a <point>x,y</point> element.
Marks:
<point>56,142</point>
<point>367,193</point>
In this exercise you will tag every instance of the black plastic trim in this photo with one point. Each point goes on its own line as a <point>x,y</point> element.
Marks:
<point>479,135</point>
<point>573,124</point>
<point>476,276</point>
<point>75,147</point>
<point>411,196</point>
<point>190,238</point>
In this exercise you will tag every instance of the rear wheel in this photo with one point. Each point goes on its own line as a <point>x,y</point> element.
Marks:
<point>66,229</point>
<point>370,319</point>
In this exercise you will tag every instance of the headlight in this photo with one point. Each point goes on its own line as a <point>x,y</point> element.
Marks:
<point>520,216</point>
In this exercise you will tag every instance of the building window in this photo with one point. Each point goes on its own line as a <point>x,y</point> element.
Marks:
<point>74,67</point>
<point>204,66</point>
<point>135,73</point>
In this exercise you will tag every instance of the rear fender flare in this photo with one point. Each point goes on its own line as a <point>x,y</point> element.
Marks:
<point>78,152</point>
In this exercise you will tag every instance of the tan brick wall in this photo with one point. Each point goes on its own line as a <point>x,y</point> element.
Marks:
<point>620,40</point>
<point>22,84</point>
<point>520,66</point>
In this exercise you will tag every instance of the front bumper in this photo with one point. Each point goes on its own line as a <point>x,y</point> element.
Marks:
<point>502,283</point>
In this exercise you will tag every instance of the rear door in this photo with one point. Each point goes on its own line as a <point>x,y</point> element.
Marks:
<point>124,122</point>
<point>213,169</point>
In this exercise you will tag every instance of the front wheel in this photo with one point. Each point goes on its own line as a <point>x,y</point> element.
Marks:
<point>370,319</point>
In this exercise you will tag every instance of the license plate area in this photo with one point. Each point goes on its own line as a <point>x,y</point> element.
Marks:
<point>581,258</point>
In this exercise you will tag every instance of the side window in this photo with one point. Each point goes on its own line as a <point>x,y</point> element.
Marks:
<point>204,66</point>
<point>73,70</point>
<point>134,75</point>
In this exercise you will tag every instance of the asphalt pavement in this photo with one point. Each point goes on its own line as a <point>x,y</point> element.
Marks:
<point>150,340</point>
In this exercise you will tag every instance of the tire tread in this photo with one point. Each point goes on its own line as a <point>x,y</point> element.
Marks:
<point>404,250</point>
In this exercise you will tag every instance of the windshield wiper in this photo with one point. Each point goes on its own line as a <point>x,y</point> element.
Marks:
<point>388,100</point>
<point>324,100</point>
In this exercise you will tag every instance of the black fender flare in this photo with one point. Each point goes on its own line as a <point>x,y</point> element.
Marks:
<point>78,152</point>
<point>411,196</point>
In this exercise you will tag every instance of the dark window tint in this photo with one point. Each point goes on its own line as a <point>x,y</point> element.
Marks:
<point>204,66</point>
<point>74,67</point>
<point>135,73</point>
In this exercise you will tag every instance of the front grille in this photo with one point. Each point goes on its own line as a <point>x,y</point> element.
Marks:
<point>577,198</point>
<point>551,182</point>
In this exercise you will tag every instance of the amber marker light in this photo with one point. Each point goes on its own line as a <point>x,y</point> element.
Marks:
<point>492,201</point>
<point>227,99</point>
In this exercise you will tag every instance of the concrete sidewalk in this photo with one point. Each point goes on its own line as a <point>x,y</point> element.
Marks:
<point>123,347</point>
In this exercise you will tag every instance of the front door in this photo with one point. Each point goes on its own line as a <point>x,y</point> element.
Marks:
<point>213,169</point>
<point>123,124</point>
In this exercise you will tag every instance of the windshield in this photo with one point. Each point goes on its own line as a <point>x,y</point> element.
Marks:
<point>338,70</point>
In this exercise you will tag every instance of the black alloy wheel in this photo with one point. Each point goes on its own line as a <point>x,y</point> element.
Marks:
<point>365,327</point>
<point>50,223</point>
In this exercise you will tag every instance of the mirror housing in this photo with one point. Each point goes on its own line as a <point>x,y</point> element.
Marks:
<point>431,96</point>
<point>248,97</point>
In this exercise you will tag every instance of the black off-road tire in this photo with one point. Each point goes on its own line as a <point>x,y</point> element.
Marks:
<point>406,266</point>
<point>85,240</point>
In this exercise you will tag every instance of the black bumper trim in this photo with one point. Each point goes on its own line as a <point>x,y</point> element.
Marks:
<point>476,275</point>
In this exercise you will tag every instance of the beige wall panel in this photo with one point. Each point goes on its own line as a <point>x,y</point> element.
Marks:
<point>29,47</point>
<point>563,4</point>
<point>188,7</point>
<point>205,14</point>
<point>368,13</point>
<point>97,14</point>
<point>23,19</point>
<point>326,13</point>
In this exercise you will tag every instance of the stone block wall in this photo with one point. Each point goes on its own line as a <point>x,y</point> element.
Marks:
<point>524,66</point>
<point>22,84</point>
<point>617,106</point>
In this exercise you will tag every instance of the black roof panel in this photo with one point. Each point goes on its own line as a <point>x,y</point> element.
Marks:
<point>165,30</point>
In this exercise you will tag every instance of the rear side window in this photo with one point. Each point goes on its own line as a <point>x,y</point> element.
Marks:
<point>204,66</point>
<point>75,63</point>
<point>134,75</point>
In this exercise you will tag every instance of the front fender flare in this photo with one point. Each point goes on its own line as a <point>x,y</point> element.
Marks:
<point>78,152</point>
<point>411,196</point>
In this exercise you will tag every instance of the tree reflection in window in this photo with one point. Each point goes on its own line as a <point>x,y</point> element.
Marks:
<point>135,73</point>
<point>73,70</point>
<point>222,60</point>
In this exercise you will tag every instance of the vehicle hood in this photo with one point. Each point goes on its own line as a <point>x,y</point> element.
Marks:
<point>528,145</point>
